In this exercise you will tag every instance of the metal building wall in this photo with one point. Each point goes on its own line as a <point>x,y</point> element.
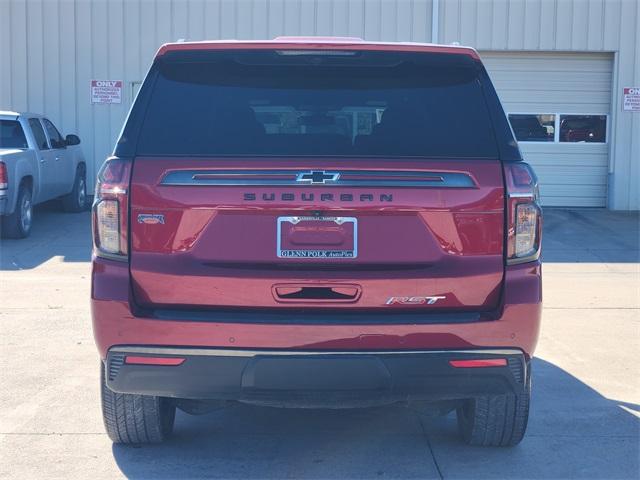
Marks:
<point>566,25</point>
<point>51,49</point>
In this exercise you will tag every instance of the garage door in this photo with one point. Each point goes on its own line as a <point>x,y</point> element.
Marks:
<point>559,106</point>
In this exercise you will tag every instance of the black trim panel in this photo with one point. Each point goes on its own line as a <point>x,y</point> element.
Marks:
<point>309,316</point>
<point>315,379</point>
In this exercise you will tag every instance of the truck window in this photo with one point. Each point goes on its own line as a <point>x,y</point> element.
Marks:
<point>12,135</point>
<point>54,135</point>
<point>368,104</point>
<point>38,134</point>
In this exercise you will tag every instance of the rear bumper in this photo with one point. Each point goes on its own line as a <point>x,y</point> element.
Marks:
<point>313,378</point>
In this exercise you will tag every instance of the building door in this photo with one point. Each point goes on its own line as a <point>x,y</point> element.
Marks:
<point>559,107</point>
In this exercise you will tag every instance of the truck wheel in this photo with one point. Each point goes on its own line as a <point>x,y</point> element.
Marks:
<point>495,420</point>
<point>135,419</point>
<point>76,201</point>
<point>18,224</point>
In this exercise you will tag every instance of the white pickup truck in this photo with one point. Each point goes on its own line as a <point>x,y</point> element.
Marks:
<point>37,164</point>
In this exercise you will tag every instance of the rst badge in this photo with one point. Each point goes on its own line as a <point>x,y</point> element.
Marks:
<point>414,300</point>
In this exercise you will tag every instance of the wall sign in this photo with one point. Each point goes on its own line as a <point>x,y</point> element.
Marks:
<point>106,91</point>
<point>631,99</point>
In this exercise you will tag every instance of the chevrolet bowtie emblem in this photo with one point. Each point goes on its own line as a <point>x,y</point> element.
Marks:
<point>317,177</point>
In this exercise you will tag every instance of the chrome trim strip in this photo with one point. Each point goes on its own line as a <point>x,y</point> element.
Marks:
<point>520,195</point>
<point>261,178</point>
<point>221,352</point>
<point>114,191</point>
<point>110,256</point>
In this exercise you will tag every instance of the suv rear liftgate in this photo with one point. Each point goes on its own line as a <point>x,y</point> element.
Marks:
<point>338,211</point>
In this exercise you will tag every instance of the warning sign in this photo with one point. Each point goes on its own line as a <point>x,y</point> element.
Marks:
<point>631,99</point>
<point>106,91</point>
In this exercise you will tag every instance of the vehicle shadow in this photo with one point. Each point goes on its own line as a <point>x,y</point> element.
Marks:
<point>54,233</point>
<point>590,235</point>
<point>573,432</point>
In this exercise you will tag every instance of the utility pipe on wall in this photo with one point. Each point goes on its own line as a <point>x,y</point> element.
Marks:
<point>435,20</point>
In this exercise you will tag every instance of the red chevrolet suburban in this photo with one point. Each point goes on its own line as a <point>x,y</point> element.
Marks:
<point>319,222</point>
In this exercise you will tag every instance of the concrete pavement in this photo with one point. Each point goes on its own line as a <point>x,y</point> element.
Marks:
<point>585,419</point>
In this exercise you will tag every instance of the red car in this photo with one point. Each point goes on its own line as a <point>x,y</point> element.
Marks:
<point>316,223</point>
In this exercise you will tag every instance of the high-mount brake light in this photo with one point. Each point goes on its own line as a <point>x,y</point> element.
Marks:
<point>317,53</point>
<point>110,209</point>
<point>524,214</point>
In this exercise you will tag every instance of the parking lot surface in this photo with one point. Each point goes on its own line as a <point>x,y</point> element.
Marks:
<point>585,418</point>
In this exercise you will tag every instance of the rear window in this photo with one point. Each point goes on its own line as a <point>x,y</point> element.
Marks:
<point>12,135</point>
<point>301,104</point>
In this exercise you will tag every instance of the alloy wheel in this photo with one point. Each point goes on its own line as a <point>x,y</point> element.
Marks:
<point>26,213</point>
<point>82,192</point>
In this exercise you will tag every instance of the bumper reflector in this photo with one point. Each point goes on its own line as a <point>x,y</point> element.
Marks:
<point>486,362</point>
<point>166,361</point>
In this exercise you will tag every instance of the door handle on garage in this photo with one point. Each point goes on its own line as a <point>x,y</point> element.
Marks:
<point>42,160</point>
<point>57,158</point>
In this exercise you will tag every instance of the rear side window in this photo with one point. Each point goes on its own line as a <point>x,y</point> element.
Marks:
<point>359,104</point>
<point>12,135</point>
<point>54,135</point>
<point>38,134</point>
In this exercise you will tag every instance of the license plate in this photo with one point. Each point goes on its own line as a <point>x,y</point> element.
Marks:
<point>317,237</point>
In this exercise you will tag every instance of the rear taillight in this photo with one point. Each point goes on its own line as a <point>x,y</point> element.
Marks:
<point>4,178</point>
<point>110,209</point>
<point>108,226</point>
<point>524,214</point>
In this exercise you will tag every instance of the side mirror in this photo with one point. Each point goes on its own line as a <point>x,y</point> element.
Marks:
<point>72,140</point>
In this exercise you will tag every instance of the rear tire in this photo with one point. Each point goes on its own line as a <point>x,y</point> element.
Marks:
<point>495,420</point>
<point>18,224</point>
<point>135,419</point>
<point>76,201</point>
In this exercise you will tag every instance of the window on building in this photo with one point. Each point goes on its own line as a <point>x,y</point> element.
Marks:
<point>583,128</point>
<point>12,135</point>
<point>533,127</point>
